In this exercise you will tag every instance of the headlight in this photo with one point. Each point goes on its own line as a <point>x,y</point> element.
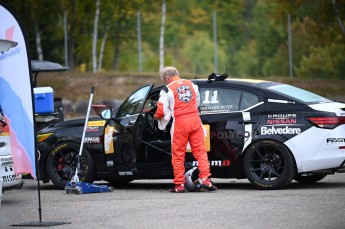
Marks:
<point>43,137</point>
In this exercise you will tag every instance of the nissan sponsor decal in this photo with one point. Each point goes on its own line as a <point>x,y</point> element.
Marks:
<point>265,130</point>
<point>281,119</point>
<point>9,178</point>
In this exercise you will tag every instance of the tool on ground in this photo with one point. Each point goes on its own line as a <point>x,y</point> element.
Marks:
<point>75,186</point>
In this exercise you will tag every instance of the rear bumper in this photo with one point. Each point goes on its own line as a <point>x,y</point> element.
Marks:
<point>340,169</point>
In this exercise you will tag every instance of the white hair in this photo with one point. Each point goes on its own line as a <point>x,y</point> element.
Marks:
<point>168,72</point>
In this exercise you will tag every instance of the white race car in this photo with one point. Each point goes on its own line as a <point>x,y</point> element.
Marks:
<point>8,178</point>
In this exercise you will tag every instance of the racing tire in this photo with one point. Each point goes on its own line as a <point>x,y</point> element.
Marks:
<point>309,179</point>
<point>268,164</point>
<point>62,161</point>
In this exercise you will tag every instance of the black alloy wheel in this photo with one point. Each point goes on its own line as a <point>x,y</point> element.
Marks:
<point>62,162</point>
<point>268,164</point>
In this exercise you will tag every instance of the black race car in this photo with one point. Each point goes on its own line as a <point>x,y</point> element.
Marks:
<point>267,132</point>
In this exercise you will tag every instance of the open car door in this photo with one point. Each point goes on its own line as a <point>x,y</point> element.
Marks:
<point>128,119</point>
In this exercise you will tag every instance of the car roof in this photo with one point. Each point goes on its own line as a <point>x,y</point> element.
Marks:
<point>246,83</point>
<point>251,83</point>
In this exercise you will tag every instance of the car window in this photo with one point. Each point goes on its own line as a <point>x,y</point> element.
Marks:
<point>150,103</point>
<point>134,103</point>
<point>298,93</point>
<point>248,100</point>
<point>217,100</point>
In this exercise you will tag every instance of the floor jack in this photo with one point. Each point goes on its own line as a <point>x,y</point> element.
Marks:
<point>84,187</point>
<point>75,186</point>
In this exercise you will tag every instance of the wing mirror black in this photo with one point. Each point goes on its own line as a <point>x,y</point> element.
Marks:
<point>106,114</point>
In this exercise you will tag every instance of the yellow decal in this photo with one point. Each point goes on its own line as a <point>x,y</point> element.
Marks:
<point>108,140</point>
<point>207,139</point>
<point>96,123</point>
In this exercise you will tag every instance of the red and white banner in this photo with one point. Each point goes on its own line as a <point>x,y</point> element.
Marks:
<point>16,95</point>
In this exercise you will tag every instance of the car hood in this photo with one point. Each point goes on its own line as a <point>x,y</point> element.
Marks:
<point>67,123</point>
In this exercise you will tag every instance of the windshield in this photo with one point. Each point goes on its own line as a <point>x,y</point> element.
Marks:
<point>298,94</point>
<point>134,103</point>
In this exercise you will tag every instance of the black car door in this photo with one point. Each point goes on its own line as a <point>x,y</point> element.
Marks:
<point>231,115</point>
<point>125,137</point>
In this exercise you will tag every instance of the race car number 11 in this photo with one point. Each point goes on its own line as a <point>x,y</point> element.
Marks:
<point>214,97</point>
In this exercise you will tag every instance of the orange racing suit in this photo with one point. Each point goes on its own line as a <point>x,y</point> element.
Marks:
<point>180,100</point>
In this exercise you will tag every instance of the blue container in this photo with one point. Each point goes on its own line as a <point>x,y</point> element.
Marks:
<point>44,100</point>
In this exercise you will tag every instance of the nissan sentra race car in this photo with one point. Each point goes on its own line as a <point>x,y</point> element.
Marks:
<point>267,132</point>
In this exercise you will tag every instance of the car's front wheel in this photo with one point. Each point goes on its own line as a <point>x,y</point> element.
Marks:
<point>62,163</point>
<point>268,164</point>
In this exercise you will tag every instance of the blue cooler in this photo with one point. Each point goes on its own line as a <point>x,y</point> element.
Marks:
<point>44,100</point>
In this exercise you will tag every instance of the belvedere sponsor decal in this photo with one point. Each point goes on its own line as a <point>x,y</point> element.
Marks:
<point>279,130</point>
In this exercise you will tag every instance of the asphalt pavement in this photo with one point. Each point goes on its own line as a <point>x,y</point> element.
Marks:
<point>148,204</point>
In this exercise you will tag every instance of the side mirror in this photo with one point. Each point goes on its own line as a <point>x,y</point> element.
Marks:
<point>106,114</point>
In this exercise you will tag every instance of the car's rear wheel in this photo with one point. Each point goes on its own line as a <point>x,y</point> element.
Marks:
<point>62,162</point>
<point>309,179</point>
<point>268,164</point>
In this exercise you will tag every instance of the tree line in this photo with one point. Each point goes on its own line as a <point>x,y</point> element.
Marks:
<point>245,38</point>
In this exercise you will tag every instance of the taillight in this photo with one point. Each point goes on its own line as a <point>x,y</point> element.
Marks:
<point>326,122</point>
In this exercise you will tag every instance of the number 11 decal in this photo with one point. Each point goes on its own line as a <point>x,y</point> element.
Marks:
<point>214,97</point>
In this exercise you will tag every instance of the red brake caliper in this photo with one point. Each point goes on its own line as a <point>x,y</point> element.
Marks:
<point>60,166</point>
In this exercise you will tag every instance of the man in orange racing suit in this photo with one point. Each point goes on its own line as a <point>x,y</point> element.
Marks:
<point>180,100</point>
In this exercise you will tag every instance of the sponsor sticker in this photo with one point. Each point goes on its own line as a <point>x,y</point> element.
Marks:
<point>212,163</point>
<point>279,130</point>
<point>108,140</point>
<point>281,116</point>
<point>9,178</point>
<point>92,140</point>
<point>335,140</point>
<point>207,139</point>
<point>96,123</point>
<point>92,129</point>
<point>110,163</point>
<point>281,121</point>
<point>7,159</point>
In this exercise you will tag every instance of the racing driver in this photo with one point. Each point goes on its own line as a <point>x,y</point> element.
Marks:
<point>180,99</point>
